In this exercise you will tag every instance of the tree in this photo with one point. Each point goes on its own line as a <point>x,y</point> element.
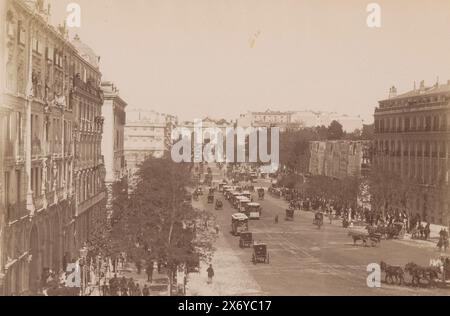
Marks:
<point>368,132</point>
<point>294,148</point>
<point>322,132</point>
<point>156,223</point>
<point>335,131</point>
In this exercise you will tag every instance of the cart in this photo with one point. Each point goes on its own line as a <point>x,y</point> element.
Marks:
<point>261,193</point>
<point>289,215</point>
<point>246,240</point>
<point>260,253</point>
<point>318,220</point>
<point>219,205</point>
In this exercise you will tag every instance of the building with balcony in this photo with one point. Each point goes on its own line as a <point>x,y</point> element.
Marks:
<point>299,119</point>
<point>412,140</point>
<point>147,133</point>
<point>51,181</point>
<point>113,112</point>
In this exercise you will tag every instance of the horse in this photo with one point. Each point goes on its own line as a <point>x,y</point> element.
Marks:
<point>392,272</point>
<point>417,273</point>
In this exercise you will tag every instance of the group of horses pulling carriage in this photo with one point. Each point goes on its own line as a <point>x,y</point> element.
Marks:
<point>374,234</point>
<point>437,271</point>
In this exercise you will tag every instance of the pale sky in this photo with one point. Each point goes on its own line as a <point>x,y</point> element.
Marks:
<point>194,58</point>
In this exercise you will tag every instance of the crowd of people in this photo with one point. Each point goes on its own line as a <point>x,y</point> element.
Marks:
<point>94,274</point>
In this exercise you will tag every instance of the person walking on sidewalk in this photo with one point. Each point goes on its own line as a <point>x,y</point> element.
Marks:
<point>210,274</point>
<point>149,271</point>
<point>138,266</point>
<point>145,291</point>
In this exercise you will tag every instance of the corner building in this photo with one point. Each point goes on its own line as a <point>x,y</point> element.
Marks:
<point>412,139</point>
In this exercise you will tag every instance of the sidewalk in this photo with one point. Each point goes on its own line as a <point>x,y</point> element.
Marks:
<point>158,287</point>
<point>231,277</point>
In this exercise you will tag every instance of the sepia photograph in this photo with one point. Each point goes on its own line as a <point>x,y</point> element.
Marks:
<point>248,149</point>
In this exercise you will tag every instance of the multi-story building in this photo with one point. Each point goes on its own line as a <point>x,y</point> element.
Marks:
<point>147,133</point>
<point>412,139</point>
<point>113,138</point>
<point>339,159</point>
<point>299,119</point>
<point>265,119</point>
<point>51,179</point>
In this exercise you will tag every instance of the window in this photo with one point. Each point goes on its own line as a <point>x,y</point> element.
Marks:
<point>407,124</point>
<point>49,53</point>
<point>436,123</point>
<point>10,25</point>
<point>21,33</point>
<point>6,189</point>
<point>19,186</point>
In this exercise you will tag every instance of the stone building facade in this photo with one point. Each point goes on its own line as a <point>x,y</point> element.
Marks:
<point>147,133</point>
<point>339,159</point>
<point>412,139</point>
<point>113,138</point>
<point>51,181</point>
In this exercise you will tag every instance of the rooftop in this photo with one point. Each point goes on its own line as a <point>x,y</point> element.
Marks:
<point>422,90</point>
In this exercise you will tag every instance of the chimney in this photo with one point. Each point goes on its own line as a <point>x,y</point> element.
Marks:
<point>392,92</point>
<point>422,85</point>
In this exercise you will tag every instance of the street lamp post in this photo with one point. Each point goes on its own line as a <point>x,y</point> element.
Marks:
<point>83,265</point>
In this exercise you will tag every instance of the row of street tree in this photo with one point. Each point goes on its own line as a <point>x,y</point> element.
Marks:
<point>155,221</point>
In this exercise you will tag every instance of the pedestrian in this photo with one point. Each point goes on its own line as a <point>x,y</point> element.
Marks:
<point>276,219</point>
<point>138,266</point>
<point>159,267</point>
<point>138,291</point>
<point>105,288</point>
<point>217,229</point>
<point>149,271</point>
<point>210,274</point>
<point>427,231</point>
<point>145,291</point>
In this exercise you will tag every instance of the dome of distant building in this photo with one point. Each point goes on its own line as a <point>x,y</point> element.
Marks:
<point>86,52</point>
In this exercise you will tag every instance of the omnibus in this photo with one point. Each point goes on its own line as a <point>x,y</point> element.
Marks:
<point>239,223</point>
<point>254,210</point>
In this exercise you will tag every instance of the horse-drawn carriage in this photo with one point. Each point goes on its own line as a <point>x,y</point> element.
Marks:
<point>260,253</point>
<point>394,231</point>
<point>365,236</point>
<point>397,231</point>
<point>239,224</point>
<point>245,240</point>
<point>318,220</point>
<point>289,215</point>
<point>198,191</point>
<point>261,193</point>
<point>195,196</point>
<point>219,205</point>
<point>437,272</point>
